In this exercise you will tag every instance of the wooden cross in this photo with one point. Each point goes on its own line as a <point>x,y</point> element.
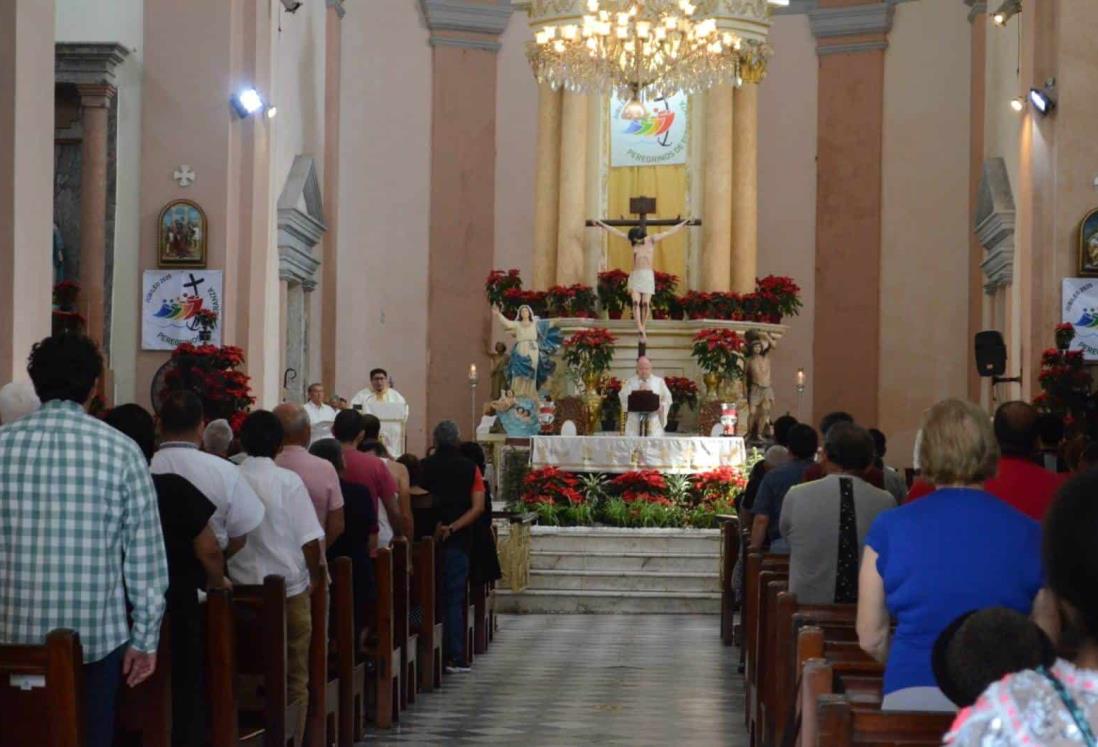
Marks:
<point>642,207</point>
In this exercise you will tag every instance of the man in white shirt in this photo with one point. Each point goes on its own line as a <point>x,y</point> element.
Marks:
<point>379,391</point>
<point>286,543</point>
<point>321,415</point>
<point>645,380</point>
<point>239,509</point>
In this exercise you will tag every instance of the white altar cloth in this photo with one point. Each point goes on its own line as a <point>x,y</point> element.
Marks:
<point>678,455</point>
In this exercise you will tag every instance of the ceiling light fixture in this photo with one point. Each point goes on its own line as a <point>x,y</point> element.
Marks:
<point>1018,103</point>
<point>1044,98</point>
<point>1006,11</point>
<point>247,102</point>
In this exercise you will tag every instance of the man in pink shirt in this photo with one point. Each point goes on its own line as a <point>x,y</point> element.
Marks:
<point>319,476</point>
<point>367,469</point>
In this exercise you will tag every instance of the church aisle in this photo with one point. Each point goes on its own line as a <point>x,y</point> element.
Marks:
<point>588,679</point>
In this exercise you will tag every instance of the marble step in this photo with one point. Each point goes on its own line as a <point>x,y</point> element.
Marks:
<point>624,582</point>
<point>606,540</point>
<point>593,560</point>
<point>544,601</point>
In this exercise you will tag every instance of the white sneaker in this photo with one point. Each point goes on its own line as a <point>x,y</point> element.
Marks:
<point>456,668</point>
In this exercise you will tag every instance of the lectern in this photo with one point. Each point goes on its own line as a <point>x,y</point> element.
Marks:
<point>394,418</point>
<point>643,403</point>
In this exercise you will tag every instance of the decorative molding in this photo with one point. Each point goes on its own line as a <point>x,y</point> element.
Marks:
<point>449,41</point>
<point>822,50</point>
<point>802,7</point>
<point>461,15</point>
<point>338,6</point>
<point>994,221</point>
<point>88,62</point>
<point>300,230</point>
<point>851,20</point>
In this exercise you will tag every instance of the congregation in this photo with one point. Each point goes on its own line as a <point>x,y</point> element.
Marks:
<point>111,524</point>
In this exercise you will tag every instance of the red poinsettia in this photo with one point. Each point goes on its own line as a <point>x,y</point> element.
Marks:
<point>641,485</point>
<point>719,350</point>
<point>499,282</point>
<point>590,351</point>
<point>551,485</point>
<point>719,484</point>
<point>210,371</point>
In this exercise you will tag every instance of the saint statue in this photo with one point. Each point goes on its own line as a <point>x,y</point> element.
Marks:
<point>499,370</point>
<point>642,280</point>
<point>646,381</point>
<point>760,393</point>
<point>530,364</point>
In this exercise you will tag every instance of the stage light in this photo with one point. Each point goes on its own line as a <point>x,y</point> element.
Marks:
<point>1018,103</point>
<point>1006,11</point>
<point>271,112</point>
<point>247,102</point>
<point>1043,99</point>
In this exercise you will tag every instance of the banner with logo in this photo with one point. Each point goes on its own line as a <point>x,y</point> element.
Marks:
<point>657,140</point>
<point>170,301</point>
<point>1080,309</point>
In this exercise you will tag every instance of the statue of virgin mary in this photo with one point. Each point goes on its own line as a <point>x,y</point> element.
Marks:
<point>530,363</point>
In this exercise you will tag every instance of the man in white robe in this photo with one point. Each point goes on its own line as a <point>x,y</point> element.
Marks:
<point>379,392</point>
<point>645,380</point>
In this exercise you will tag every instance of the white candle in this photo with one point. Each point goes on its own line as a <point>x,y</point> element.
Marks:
<point>472,372</point>
<point>800,377</point>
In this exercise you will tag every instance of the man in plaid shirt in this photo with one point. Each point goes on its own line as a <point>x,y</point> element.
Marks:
<point>79,531</point>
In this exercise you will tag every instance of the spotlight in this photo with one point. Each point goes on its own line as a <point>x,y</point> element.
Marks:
<point>1006,11</point>
<point>246,102</point>
<point>1018,103</point>
<point>1044,98</point>
<point>271,112</point>
<point>291,6</point>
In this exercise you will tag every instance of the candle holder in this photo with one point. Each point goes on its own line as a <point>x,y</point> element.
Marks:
<point>800,385</point>
<point>473,379</point>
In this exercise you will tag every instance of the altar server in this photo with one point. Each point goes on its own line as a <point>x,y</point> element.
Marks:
<point>645,380</point>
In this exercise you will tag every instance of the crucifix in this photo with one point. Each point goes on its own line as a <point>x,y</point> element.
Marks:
<point>642,280</point>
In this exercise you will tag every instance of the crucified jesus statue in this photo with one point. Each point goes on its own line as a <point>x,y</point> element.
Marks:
<point>642,280</point>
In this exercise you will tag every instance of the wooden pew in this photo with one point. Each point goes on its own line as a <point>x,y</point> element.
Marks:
<point>406,638</point>
<point>470,619</point>
<point>385,651</point>
<point>832,666</point>
<point>773,569</point>
<point>767,661</point>
<point>756,563</point>
<point>144,713</point>
<point>323,715</point>
<point>41,693</point>
<point>844,722</point>
<point>429,633</point>
<point>481,617</point>
<point>221,672</point>
<point>260,626</point>
<point>730,551</point>
<point>343,657</point>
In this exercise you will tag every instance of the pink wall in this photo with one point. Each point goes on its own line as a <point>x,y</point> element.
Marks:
<point>516,132</point>
<point>925,350</point>
<point>462,227</point>
<point>787,194</point>
<point>384,203</point>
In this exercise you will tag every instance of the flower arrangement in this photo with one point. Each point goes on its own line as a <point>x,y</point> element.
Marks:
<point>642,485</point>
<point>778,296</point>
<point>513,298</point>
<point>683,392</point>
<point>499,282</point>
<point>718,485</point>
<point>207,321</point>
<point>1065,385</point>
<point>613,292</point>
<point>610,388</point>
<point>553,495</point>
<point>719,351</point>
<point>210,371</point>
<point>576,300</point>
<point>664,300</point>
<point>590,351</point>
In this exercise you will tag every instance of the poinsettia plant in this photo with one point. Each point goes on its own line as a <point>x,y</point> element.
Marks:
<point>641,485</point>
<point>590,352</point>
<point>499,282</point>
<point>1065,386</point>
<point>777,296</point>
<point>551,485</point>
<point>613,292</point>
<point>514,298</point>
<point>664,299</point>
<point>717,485</point>
<point>720,351</point>
<point>210,371</point>
<point>576,300</point>
<point>683,392</point>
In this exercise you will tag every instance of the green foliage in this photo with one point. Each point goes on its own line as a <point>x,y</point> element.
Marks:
<point>593,485</point>
<point>516,464</point>
<point>548,513</point>
<point>580,515</point>
<point>678,488</point>
<point>615,512</point>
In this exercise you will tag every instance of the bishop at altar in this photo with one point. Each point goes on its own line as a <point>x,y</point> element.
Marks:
<point>645,381</point>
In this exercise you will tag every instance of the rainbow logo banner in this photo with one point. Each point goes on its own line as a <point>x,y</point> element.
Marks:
<point>660,139</point>
<point>170,302</point>
<point>1080,309</point>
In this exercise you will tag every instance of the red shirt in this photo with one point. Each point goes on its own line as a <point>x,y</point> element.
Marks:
<point>1021,483</point>
<point>367,469</point>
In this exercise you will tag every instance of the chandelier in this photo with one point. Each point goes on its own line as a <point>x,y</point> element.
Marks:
<point>643,48</point>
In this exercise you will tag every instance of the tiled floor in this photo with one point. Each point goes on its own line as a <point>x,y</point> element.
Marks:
<point>588,680</point>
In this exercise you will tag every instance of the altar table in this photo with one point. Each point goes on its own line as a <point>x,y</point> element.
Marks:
<point>684,455</point>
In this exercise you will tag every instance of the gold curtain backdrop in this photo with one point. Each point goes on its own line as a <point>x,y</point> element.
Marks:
<point>668,185</point>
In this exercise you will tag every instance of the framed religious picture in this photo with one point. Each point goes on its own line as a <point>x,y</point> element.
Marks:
<point>1088,244</point>
<point>181,235</point>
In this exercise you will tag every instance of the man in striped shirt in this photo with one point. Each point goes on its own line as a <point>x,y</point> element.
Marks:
<point>79,531</point>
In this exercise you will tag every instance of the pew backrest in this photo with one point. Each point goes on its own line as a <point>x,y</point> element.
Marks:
<point>221,669</point>
<point>41,692</point>
<point>843,722</point>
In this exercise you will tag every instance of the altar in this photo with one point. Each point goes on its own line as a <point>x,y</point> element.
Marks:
<point>684,455</point>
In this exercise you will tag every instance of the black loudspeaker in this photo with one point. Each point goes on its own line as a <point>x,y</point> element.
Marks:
<point>990,353</point>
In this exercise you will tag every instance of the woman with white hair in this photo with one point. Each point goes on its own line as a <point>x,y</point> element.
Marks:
<point>926,563</point>
<point>217,437</point>
<point>17,400</point>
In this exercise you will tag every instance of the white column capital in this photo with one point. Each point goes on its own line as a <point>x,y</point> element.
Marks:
<point>463,23</point>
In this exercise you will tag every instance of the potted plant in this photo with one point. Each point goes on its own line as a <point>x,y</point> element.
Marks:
<point>576,301</point>
<point>554,496</point>
<point>211,371</point>
<point>719,353</point>
<point>499,282</point>
<point>664,297</point>
<point>610,388</point>
<point>683,392</point>
<point>613,292</point>
<point>1065,333</point>
<point>206,319</point>
<point>589,353</point>
<point>777,296</point>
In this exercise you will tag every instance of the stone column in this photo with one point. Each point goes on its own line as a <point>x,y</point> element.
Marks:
<point>573,195</point>
<point>745,187</point>
<point>26,179</point>
<point>95,102</point>
<point>547,187</point>
<point>333,70</point>
<point>977,19</point>
<point>716,259</point>
<point>851,42</point>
